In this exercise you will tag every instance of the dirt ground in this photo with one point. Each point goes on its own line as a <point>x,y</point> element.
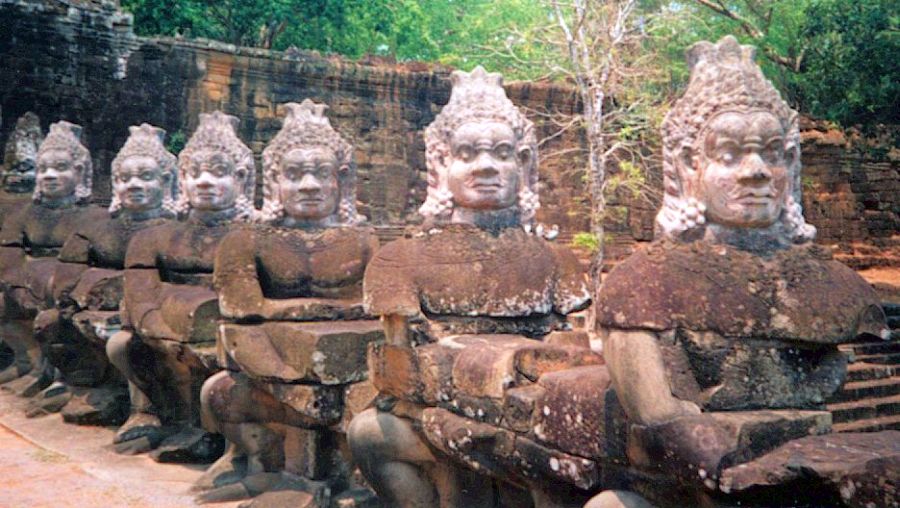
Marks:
<point>47,463</point>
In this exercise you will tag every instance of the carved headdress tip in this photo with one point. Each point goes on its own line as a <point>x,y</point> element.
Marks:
<point>478,76</point>
<point>308,111</point>
<point>145,129</point>
<point>64,128</point>
<point>728,51</point>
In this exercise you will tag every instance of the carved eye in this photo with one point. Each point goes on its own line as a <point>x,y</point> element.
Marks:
<point>772,153</point>
<point>465,153</point>
<point>728,156</point>
<point>503,151</point>
<point>147,176</point>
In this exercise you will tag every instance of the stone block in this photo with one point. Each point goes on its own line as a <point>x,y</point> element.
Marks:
<point>321,402</point>
<point>757,432</point>
<point>99,289</point>
<point>547,464</point>
<point>520,407</point>
<point>192,312</point>
<point>435,371</point>
<point>572,412</point>
<point>393,370</point>
<point>328,352</point>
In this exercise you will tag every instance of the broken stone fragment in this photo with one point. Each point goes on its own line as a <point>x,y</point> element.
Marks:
<point>98,289</point>
<point>853,469</point>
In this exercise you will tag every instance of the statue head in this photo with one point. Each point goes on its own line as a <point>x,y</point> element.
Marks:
<point>731,153</point>
<point>143,173</point>
<point>481,154</point>
<point>216,171</point>
<point>19,160</point>
<point>64,170</point>
<point>309,178</point>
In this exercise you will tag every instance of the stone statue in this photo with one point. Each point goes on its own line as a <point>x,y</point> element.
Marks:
<point>296,335</point>
<point>721,337</point>
<point>463,303</point>
<point>17,185</point>
<point>73,335</point>
<point>167,347</point>
<point>19,158</point>
<point>31,239</point>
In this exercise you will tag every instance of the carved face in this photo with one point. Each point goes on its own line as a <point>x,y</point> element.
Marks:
<point>139,183</point>
<point>485,169</point>
<point>21,175</point>
<point>308,183</point>
<point>212,181</point>
<point>57,174</point>
<point>744,181</point>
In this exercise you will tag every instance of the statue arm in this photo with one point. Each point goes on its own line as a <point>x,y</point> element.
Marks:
<point>572,293</point>
<point>639,376</point>
<point>76,249</point>
<point>143,286</point>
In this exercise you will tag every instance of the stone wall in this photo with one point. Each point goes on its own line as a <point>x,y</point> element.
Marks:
<point>80,61</point>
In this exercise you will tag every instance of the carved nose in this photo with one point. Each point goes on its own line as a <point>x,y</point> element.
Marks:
<point>309,183</point>
<point>754,169</point>
<point>485,167</point>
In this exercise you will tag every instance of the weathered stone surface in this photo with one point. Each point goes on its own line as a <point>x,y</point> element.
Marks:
<point>324,267</point>
<point>571,414</point>
<point>320,402</point>
<point>466,271</point>
<point>328,352</point>
<point>502,453</point>
<point>858,469</point>
<point>99,289</point>
<point>798,294</point>
<point>757,432</point>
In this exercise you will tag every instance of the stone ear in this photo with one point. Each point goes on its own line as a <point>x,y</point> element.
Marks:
<point>687,159</point>
<point>526,156</point>
<point>791,154</point>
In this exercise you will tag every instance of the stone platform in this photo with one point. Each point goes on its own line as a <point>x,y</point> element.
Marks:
<point>47,463</point>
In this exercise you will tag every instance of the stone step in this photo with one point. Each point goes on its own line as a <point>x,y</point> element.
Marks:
<point>881,347</point>
<point>891,309</point>
<point>893,322</point>
<point>865,409</point>
<point>857,390</point>
<point>889,359</point>
<point>883,423</point>
<point>863,371</point>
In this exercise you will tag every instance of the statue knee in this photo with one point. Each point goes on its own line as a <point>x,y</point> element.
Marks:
<point>377,437</point>
<point>618,499</point>
<point>214,400</point>
<point>117,351</point>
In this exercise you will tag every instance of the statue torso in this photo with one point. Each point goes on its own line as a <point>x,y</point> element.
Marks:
<point>466,280</point>
<point>296,263</point>
<point>741,331</point>
<point>42,231</point>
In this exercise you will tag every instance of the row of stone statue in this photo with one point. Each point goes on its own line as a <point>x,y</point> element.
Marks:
<point>473,390</point>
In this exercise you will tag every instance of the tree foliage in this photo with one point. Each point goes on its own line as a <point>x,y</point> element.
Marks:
<point>831,58</point>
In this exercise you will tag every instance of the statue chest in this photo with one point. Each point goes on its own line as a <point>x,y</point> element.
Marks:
<point>293,264</point>
<point>46,230</point>
<point>499,277</point>
<point>109,241</point>
<point>192,248</point>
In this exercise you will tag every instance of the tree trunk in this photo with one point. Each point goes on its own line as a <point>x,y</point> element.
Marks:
<point>597,177</point>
